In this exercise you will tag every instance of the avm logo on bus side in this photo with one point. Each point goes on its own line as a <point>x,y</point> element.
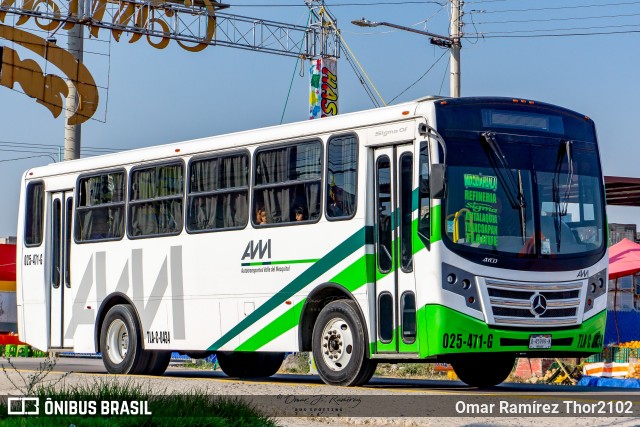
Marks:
<point>131,282</point>
<point>257,249</point>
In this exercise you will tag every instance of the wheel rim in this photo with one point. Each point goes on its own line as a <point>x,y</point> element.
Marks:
<point>117,341</point>
<point>337,344</point>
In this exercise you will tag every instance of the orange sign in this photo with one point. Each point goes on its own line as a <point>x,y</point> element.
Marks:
<point>48,90</point>
<point>155,19</point>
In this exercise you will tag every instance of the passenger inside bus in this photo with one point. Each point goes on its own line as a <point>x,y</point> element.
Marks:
<point>300,216</point>
<point>261,216</point>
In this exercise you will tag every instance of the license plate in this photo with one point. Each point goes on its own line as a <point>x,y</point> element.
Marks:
<point>540,341</point>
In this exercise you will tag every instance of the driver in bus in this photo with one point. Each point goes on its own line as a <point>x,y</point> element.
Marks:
<point>335,205</point>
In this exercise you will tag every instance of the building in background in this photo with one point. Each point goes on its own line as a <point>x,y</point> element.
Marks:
<point>11,240</point>
<point>617,232</point>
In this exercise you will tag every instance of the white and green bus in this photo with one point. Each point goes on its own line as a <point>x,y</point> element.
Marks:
<point>469,231</point>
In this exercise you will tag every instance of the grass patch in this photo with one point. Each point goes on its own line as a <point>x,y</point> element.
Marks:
<point>193,409</point>
<point>296,363</point>
<point>203,364</point>
<point>413,370</point>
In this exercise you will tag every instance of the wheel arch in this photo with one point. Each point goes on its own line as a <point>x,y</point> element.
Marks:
<point>108,303</point>
<point>317,299</point>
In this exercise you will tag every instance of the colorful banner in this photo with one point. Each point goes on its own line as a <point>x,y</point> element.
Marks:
<point>323,89</point>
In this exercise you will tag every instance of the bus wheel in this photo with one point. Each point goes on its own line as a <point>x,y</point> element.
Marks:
<point>339,345</point>
<point>158,362</point>
<point>121,342</point>
<point>484,370</point>
<point>249,364</point>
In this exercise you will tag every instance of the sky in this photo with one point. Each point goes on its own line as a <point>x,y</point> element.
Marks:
<point>580,54</point>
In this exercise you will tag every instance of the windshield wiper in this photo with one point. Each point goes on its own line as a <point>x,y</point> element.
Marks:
<point>514,187</point>
<point>561,206</point>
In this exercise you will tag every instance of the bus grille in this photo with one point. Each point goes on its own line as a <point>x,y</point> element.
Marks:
<point>533,304</point>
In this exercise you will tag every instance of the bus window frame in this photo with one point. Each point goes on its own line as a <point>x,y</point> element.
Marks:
<point>161,163</point>
<point>43,213</point>
<point>326,177</point>
<point>401,316</point>
<point>401,223</point>
<point>77,209</point>
<point>265,147</point>
<point>417,165</point>
<point>211,156</point>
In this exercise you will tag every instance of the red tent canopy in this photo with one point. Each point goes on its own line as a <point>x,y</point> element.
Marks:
<point>624,259</point>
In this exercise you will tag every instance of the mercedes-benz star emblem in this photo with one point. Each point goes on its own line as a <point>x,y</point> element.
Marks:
<point>538,305</point>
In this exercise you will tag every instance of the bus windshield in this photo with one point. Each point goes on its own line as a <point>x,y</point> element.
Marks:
<point>513,193</point>
<point>484,211</point>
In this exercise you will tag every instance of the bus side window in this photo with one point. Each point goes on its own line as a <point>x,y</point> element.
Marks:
<point>34,214</point>
<point>218,197</point>
<point>155,200</point>
<point>424,220</point>
<point>342,170</point>
<point>287,180</point>
<point>100,207</point>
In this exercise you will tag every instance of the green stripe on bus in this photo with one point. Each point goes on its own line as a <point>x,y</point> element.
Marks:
<point>351,278</point>
<point>340,252</point>
<point>436,225</point>
<point>288,320</point>
<point>273,330</point>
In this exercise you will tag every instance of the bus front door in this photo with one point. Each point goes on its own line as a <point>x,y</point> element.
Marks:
<point>61,214</point>
<point>395,282</point>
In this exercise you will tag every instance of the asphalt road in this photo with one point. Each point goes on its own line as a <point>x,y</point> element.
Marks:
<point>391,401</point>
<point>175,371</point>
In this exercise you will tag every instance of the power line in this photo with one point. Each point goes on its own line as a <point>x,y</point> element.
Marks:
<point>32,145</point>
<point>562,7</point>
<point>421,77</point>
<point>600,33</point>
<point>559,29</point>
<point>483,1</point>
<point>576,18</point>
<point>386,3</point>
<point>29,157</point>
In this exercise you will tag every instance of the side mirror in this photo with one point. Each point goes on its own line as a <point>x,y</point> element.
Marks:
<point>438,181</point>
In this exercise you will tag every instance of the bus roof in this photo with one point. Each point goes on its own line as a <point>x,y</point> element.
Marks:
<point>296,130</point>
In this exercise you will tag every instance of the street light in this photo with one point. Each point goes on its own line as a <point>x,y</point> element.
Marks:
<point>436,39</point>
<point>451,43</point>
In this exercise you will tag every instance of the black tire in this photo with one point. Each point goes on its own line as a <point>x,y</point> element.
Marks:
<point>367,373</point>
<point>158,362</point>
<point>121,342</point>
<point>483,370</point>
<point>339,345</point>
<point>249,364</point>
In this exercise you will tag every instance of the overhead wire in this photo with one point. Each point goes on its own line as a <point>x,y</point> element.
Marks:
<point>446,69</point>
<point>421,77</point>
<point>560,29</point>
<point>556,31</point>
<point>573,18</point>
<point>563,7</point>
<point>599,33</point>
<point>349,52</point>
<point>380,3</point>
<point>29,157</point>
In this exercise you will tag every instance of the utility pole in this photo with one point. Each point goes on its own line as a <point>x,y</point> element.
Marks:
<point>456,34</point>
<point>72,133</point>
<point>452,42</point>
